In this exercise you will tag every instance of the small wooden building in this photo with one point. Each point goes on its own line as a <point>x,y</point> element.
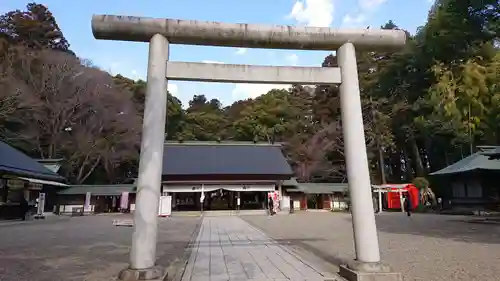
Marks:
<point>23,177</point>
<point>316,196</point>
<point>471,182</point>
<point>103,199</point>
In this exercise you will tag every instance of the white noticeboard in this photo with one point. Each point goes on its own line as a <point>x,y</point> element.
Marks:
<point>165,208</point>
<point>285,201</point>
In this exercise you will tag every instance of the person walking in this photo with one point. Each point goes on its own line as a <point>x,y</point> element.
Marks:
<point>271,206</point>
<point>24,208</point>
<point>407,203</point>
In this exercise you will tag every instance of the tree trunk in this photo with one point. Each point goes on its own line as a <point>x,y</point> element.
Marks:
<point>408,166</point>
<point>397,171</point>
<point>417,158</point>
<point>381,165</point>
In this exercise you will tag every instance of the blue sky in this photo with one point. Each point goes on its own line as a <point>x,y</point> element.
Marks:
<point>130,59</point>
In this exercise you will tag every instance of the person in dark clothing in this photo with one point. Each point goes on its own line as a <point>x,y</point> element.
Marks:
<point>271,206</point>
<point>24,208</point>
<point>407,204</point>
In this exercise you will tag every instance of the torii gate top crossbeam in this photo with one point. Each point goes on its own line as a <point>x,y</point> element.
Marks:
<point>192,32</point>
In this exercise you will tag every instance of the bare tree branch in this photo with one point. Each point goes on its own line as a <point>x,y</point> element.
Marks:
<point>64,108</point>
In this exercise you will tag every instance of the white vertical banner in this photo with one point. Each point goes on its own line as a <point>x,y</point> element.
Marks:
<point>86,206</point>
<point>41,203</point>
<point>202,197</point>
<point>124,200</point>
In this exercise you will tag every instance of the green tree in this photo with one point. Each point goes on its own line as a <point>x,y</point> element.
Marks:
<point>34,28</point>
<point>175,114</point>
<point>203,120</point>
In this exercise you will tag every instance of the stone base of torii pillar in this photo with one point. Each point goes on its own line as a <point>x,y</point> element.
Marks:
<point>156,273</point>
<point>361,271</point>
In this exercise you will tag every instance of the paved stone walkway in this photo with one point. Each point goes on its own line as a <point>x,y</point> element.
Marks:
<point>228,248</point>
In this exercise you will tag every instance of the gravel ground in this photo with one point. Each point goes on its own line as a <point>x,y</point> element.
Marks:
<point>425,247</point>
<point>81,248</point>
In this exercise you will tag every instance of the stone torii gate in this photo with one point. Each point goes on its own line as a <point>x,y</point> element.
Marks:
<point>160,33</point>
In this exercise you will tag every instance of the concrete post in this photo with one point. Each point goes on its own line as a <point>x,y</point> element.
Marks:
<point>238,200</point>
<point>358,174</point>
<point>280,196</point>
<point>379,200</point>
<point>401,200</point>
<point>143,251</point>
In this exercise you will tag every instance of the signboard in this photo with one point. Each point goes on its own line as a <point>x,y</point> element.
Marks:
<point>35,186</point>
<point>252,188</point>
<point>189,188</point>
<point>165,207</point>
<point>15,184</point>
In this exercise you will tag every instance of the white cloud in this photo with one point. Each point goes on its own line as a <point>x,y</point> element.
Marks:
<point>212,61</point>
<point>136,75</point>
<point>114,68</point>
<point>173,89</point>
<point>126,70</point>
<point>183,96</point>
<point>317,13</point>
<point>245,91</point>
<point>241,51</point>
<point>370,4</point>
<point>365,8</point>
<point>293,59</point>
<point>353,21</point>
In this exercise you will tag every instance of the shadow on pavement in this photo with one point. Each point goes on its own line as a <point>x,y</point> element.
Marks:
<point>422,247</point>
<point>301,244</point>
<point>83,248</point>
<point>458,228</point>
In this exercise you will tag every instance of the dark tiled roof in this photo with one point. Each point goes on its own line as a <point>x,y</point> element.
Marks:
<point>98,190</point>
<point>14,162</point>
<point>493,153</point>
<point>290,183</point>
<point>198,158</point>
<point>476,161</point>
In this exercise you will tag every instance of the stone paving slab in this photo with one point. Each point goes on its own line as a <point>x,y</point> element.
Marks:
<point>228,248</point>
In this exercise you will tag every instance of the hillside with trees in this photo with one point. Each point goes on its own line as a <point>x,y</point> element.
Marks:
<point>425,107</point>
